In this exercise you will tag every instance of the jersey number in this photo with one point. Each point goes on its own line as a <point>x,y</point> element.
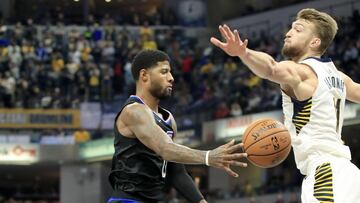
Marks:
<point>337,111</point>
<point>163,170</point>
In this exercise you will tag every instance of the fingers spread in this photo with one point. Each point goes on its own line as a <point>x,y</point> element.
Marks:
<point>235,148</point>
<point>224,33</point>
<point>217,42</point>
<point>237,36</point>
<point>234,156</point>
<point>229,144</point>
<point>235,163</point>
<point>231,172</point>
<point>229,33</point>
<point>246,43</point>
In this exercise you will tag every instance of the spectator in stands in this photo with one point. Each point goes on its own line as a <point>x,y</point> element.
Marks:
<point>8,84</point>
<point>222,111</point>
<point>279,198</point>
<point>145,30</point>
<point>36,63</point>
<point>235,109</point>
<point>81,135</point>
<point>230,66</point>
<point>248,189</point>
<point>294,198</point>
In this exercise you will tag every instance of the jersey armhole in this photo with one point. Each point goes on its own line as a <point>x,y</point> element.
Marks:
<point>309,64</point>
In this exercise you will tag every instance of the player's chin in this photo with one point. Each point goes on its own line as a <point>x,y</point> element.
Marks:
<point>168,93</point>
<point>165,94</point>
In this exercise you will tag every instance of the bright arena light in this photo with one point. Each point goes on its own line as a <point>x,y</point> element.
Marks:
<point>108,1</point>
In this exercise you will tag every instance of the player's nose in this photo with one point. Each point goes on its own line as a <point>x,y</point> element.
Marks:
<point>288,34</point>
<point>170,78</point>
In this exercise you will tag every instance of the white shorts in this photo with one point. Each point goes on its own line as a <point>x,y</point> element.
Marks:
<point>336,181</point>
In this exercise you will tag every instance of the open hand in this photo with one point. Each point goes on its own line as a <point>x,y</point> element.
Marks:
<point>233,45</point>
<point>226,155</point>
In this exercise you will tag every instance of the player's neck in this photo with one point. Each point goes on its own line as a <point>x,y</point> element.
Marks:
<point>149,100</point>
<point>307,55</point>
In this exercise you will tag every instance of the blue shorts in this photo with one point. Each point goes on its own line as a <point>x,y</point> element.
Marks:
<point>121,200</point>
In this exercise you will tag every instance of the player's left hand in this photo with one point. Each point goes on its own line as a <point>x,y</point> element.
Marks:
<point>227,155</point>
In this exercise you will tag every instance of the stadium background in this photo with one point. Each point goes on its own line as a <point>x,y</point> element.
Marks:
<point>65,71</point>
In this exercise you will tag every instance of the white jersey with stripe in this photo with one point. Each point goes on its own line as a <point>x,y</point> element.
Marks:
<point>315,124</point>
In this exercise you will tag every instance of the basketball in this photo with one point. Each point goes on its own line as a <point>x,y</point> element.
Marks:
<point>267,143</point>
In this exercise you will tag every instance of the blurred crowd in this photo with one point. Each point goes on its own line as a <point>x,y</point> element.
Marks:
<point>44,14</point>
<point>61,66</point>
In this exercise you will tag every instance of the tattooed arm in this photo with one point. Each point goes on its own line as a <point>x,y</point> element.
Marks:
<point>139,120</point>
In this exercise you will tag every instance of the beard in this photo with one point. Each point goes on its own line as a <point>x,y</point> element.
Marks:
<point>295,51</point>
<point>160,93</point>
<point>291,52</point>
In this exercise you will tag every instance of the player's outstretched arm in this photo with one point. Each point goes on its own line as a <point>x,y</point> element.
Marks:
<point>260,63</point>
<point>140,121</point>
<point>352,89</point>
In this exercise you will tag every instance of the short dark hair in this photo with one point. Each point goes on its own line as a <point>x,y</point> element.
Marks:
<point>146,59</point>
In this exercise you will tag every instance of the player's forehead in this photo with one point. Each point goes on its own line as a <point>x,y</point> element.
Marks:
<point>302,23</point>
<point>163,65</point>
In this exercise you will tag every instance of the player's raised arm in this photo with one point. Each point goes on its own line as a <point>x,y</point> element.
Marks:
<point>352,88</point>
<point>260,63</point>
<point>139,119</point>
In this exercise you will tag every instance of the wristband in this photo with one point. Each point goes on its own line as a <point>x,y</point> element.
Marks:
<point>207,158</point>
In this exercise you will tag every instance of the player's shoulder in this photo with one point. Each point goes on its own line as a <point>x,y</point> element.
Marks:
<point>172,118</point>
<point>134,111</point>
<point>173,122</point>
<point>293,64</point>
<point>299,67</point>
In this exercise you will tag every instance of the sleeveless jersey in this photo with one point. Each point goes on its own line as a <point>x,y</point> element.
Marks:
<point>137,170</point>
<point>315,124</point>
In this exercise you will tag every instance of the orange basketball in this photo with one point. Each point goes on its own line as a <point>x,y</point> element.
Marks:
<point>267,143</point>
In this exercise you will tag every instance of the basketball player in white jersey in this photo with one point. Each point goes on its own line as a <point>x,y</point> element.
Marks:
<point>314,94</point>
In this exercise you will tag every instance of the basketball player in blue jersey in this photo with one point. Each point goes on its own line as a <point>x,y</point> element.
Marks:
<point>146,160</point>
<point>314,94</point>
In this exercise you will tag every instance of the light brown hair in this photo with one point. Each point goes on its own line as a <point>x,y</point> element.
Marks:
<point>325,26</point>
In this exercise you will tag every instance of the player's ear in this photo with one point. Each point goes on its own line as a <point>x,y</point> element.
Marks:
<point>315,43</point>
<point>143,75</point>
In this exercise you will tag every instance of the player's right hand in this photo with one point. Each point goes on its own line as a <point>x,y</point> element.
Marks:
<point>233,44</point>
<point>226,155</point>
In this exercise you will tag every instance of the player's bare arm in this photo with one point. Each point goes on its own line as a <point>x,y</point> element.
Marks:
<point>352,88</point>
<point>138,119</point>
<point>298,80</point>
